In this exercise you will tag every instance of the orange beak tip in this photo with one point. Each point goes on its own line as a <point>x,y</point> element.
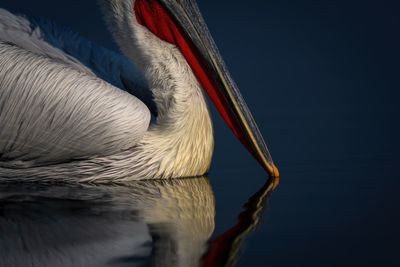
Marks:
<point>275,176</point>
<point>275,171</point>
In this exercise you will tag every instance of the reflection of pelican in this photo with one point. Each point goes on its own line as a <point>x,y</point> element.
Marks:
<point>60,118</point>
<point>152,223</point>
<point>161,223</point>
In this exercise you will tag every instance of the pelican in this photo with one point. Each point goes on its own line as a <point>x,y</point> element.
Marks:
<point>72,110</point>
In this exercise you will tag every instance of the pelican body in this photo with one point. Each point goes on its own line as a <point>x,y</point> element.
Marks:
<point>70,109</point>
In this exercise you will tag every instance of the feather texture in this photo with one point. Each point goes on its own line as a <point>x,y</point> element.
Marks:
<point>52,113</point>
<point>87,129</point>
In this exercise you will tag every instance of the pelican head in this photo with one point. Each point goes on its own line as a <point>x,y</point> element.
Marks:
<point>179,22</point>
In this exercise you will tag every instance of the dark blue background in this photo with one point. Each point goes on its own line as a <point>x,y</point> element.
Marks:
<point>322,80</point>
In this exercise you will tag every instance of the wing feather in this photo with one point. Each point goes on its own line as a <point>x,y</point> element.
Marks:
<point>51,111</point>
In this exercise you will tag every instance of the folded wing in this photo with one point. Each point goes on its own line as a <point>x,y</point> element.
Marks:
<point>55,109</point>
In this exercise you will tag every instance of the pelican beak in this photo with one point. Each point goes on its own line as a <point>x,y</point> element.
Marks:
<point>180,22</point>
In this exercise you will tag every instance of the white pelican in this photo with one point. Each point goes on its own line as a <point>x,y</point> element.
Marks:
<point>72,110</point>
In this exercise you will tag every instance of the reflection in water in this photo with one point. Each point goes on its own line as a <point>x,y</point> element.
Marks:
<point>146,223</point>
<point>223,251</point>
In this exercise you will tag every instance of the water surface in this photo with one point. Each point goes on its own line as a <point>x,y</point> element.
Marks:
<point>149,223</point>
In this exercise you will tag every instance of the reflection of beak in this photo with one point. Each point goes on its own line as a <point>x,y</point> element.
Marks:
<point>224,249</point>
<point>180,23</point>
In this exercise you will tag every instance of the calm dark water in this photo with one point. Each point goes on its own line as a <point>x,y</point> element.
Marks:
<point>321,78</point>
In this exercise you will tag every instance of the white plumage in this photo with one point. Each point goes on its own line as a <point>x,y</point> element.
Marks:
<point>60,119</point>
<point>52,112</point>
